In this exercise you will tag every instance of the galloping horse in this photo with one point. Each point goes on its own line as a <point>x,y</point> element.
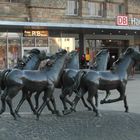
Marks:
<point>72,63</point>
<point>69,77</point>
<point>108,80</point>
<point>33,81</point>
<point>29,63</point>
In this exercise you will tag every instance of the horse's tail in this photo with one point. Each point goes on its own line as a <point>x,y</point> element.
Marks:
<point>76,85</point>
<point>3,75</point>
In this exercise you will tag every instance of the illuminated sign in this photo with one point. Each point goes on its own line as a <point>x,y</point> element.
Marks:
<point>32,33</point>
<point>122,20</point>
<point>134,21</point>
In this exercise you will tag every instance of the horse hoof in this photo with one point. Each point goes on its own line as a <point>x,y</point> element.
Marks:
<point>72,110</point>
<point>89,109</point>
<point>58,113</point>
<point>102,102</point>
<point>98,115</point>
<point>18,115</point>
<point>126,111</point>
<point>37,116</point>
<point>66,112</point>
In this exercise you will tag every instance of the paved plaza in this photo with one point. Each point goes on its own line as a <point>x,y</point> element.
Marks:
<point>114,123</point>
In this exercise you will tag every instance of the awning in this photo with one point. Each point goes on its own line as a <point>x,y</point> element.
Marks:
<point>89,28</point>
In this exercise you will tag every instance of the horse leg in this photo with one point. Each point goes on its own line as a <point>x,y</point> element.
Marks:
<point>47,96</point>
<point>62,98</point>
<point>12,92</point>
<point>9,102</point>
<point>77,98</point>
<point>96,100</point>
<point>125,104</point>
<point>85,104</point>
<point>40,109</point>
<point>121,90</point>
<point>48,104</point>
<point>107,95</point>
<point>3,97</point>
<point>19,104</point>
<point>28,97</point>
<point>92,92</point>
<point>54,105</point>
<point>36,97</point>
<point>123,96</point>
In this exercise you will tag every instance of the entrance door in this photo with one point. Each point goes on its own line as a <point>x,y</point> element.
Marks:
<point>114,53</point>
<point>14,51</point>
<point>3,53</point>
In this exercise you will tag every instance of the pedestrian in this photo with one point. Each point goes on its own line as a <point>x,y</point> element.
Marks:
<point>83,61</point>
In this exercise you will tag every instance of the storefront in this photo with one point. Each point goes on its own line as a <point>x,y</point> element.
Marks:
<point>17,38</point>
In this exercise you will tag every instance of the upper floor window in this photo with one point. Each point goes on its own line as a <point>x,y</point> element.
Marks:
<point>72,7</point>
<point>16,1</point>
<point>114,9</point>
<point>95,9</point>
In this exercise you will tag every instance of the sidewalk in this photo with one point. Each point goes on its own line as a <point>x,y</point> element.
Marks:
<point>114,124</point>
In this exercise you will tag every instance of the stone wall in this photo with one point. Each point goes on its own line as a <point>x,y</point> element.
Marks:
<point>13,11</point>
<point>134,8</point>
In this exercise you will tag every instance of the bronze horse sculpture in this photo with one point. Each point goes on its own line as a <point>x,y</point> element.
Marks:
<point>116,78</point>
<point>31,62</point>
<point>33,81</point>
<point>72,63</point>
<point>69,77</point>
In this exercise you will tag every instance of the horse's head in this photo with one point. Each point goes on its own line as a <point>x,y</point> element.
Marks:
<point>42,55</point>
<point>72,60</point>
<point>135,54</point>
<point>127,59</point>
<point>102,53</point>
<point>34,51</point>
<point>101,60</point>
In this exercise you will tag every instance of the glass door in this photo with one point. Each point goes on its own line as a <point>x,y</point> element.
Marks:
<point>3,53</point>
<point>14,51</point>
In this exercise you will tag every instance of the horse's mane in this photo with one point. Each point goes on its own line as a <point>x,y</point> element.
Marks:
<point>50,62</point>
<point>34,51</point>
<point>124,55</point>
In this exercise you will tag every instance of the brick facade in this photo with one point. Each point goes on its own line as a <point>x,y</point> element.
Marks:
<point>55,11</point>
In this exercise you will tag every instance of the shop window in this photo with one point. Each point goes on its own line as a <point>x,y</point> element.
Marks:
<point>3,52</point>
<point>72,7</point>
<point>41,42</point>
<point>114,9</point>
<point>28,42</point>
<point>95,9</point>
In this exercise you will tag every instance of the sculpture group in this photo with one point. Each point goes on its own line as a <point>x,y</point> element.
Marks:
<point>62,71</point>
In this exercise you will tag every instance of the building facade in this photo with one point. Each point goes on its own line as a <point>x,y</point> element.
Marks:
<point>88,25</point>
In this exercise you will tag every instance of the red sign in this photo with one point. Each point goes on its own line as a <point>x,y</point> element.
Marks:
<point>122,20</point>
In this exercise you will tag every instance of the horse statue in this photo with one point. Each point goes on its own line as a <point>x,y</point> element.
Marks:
<point>116,78</point>
<point>33,81</point>
<point>31,62</point>
<point>69,77</point>
<point>72,62</point>
<point>71,59</point>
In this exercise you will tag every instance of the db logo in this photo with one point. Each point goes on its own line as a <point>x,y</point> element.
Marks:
<point>122,20</point>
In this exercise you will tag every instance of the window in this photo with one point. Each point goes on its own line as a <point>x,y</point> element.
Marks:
<point>72,7</point>
<point>16,1</point>
<point>114,9</point>
<point>95,9</point>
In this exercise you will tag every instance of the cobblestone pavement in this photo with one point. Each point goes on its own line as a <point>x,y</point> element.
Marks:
<point>114,123</point>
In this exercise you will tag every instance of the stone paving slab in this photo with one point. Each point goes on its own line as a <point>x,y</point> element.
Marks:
<point>112,125</point>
